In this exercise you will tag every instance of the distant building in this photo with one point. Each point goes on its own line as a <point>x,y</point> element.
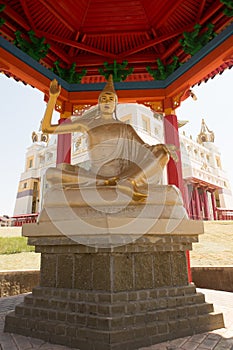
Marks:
<point>206,183</point>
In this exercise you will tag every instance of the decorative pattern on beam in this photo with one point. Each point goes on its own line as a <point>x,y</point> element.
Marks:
<point>211,46</point>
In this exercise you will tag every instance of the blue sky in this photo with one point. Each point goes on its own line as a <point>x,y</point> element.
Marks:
<point>22,108</point>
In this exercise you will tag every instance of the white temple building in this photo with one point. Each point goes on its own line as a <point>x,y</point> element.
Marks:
<point>207,187</point>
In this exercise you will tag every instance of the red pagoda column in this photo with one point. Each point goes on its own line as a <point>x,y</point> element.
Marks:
<point>197,203</point>
<point>206,205</point>
<point>64,142</point>
<point>187,200</point>
<point>191,203</point>
<point>214,205</point>
<point>174,169</point>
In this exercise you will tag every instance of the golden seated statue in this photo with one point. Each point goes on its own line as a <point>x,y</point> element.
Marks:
<point>118,156</point>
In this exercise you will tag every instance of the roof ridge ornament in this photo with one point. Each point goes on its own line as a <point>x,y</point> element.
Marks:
<point>205,135</point>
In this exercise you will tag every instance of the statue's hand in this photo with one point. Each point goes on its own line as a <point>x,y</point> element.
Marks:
<point>55,88</point>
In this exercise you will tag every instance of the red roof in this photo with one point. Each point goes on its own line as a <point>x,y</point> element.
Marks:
<point>91,32</point>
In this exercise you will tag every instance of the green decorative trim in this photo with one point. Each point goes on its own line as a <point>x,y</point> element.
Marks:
<point>119,71</point>
<point>2,8</point>
<point>69,75</point>
<point>229,10</point>
<point>36,48</point>
<point>163,71</point>
<point>194,41</point>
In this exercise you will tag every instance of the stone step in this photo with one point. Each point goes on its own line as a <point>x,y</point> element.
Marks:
<point>81,294</point>
<point>115,320</point>
<point>118,307</point>
<point>82,337</point>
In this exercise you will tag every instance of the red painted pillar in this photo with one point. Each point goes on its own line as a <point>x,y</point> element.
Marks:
<point>174,169</point>
<point>206,205</point>
<point>214,205</point>
<point>64,145</point>
<point>197,204</point>
<point>192,206</point>
<point>187,200</point>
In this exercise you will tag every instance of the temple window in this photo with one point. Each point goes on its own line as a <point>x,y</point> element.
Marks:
<point>41,159</point>
<point>218,161</point>
<point>30,163</point>
<point>158,116</point>
<point>78,143</point>
<point>145,123</point>
<point>49,156</point>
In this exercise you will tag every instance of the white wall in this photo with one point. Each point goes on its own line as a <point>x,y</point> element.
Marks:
<point>23,205</point>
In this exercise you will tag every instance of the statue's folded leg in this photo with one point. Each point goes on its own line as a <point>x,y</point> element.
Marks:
<point>148,171</point>
<point>76,176</point>
<point>60,176</point>
<point>151,166</point>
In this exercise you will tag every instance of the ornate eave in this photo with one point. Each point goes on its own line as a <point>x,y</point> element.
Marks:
<point>91,33</point>
<point>217,53</point>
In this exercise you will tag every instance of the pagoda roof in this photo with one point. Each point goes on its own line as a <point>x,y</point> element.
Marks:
<point>95,34</point>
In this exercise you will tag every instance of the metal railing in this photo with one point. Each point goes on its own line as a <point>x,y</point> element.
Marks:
<point>224,214</point>
<point>19,220</point>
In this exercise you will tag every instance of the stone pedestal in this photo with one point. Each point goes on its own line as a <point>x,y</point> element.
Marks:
<point>123,288</point>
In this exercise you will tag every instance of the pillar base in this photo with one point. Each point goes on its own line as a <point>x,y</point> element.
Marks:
<point>122,289</point>
<point>90,320</point>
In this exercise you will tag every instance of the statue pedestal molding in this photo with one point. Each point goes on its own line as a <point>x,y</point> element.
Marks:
<point>122,284</point>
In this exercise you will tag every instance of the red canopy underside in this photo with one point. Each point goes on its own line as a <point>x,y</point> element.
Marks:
<point>91,32</point>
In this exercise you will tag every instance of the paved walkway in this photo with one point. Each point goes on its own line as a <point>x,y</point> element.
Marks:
<point>221,339</point>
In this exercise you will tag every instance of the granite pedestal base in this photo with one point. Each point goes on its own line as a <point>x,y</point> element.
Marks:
<point>127,294</point>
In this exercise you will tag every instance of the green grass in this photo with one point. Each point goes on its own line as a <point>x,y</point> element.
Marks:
<point>12,245</point>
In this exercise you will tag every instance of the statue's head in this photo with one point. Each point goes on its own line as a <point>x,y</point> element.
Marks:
<point>108,98</point>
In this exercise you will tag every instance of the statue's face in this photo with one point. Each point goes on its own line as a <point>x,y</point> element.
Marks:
<point>107,102</point>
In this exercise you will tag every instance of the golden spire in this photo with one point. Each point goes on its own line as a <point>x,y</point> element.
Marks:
<point>205,135</point>
<point>109,87</point>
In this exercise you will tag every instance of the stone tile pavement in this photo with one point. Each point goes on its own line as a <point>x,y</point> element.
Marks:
<point>221,339</point>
